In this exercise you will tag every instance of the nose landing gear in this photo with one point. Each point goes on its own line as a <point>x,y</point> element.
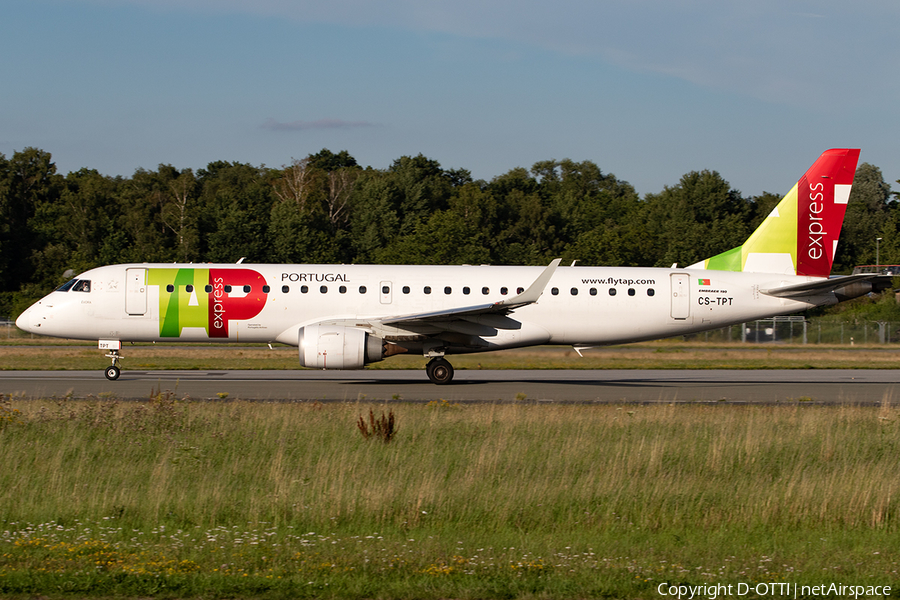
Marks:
<point>113,371</point>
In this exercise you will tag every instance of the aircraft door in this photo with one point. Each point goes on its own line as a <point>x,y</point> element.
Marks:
<point>136,291</point>
<point>385,289</point>
<point>681,297</point>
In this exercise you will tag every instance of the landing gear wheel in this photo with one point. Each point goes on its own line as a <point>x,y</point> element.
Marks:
<point>439,371</point>
<point>112,372</point>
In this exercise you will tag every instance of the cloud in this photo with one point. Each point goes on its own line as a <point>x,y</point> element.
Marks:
<point>273,125</point>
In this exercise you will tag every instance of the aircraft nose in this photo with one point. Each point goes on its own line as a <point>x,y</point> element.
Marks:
<point>29,320</point>
<point>22,321</point>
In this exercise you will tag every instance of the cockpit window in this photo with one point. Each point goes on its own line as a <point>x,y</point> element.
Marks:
<point>67,285</point>
<point>82,285</point>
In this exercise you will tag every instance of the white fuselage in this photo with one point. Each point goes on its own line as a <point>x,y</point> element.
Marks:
<point>581,306</point>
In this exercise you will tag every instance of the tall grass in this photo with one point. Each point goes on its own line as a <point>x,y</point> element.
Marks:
<point>660,485</point>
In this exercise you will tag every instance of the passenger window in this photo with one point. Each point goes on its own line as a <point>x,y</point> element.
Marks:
<point>466,291</point>
<point>323,289</point>
<point>285,289</point>
<point>593,291</point>
<point>447,290</point>
<point>303,289</point>
<point>503,291</point>
<point>427,289</point>
<point>485,291</point>
<point>189,288</point>
<point>227,289</point>
<point>574,291</point>
<point>650,291</point>
<point>385,289</point>
<point>343,289</point>
<point>405,289</point>
<point>246,289</point>
<point>362,289</point>
<point>208,289</point>
<point>631,291</point>
<point>555,291</point>
<point>266,289</point>
<point>83,285</point>
<point>170,288</point>
<point>612,291</point>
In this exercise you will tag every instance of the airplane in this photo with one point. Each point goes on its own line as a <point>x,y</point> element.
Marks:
<point>348,316</point>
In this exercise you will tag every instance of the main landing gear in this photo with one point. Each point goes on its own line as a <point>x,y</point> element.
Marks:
<point>439,371</point>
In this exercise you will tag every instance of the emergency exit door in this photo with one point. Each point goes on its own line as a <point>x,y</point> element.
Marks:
<point>136,291</point>
<point>681,296</point>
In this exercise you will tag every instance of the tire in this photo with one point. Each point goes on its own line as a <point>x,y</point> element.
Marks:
<point>112,373</point>
<point>439,371</point>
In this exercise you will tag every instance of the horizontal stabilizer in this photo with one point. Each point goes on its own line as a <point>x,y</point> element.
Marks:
<point>864,284</point>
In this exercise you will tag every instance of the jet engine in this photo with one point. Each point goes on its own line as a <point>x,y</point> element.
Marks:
<point>338,347</point>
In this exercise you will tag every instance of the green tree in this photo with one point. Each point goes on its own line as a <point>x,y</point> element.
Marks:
<point>866,219</point>
<point>235,206</point>
<point>698,218</point>
<point>313,208</point>
<point>376,220</point>
<point>760,208</point>
<point>326,160</point>
<point>28,185</point>
<point>522,232</point>
<point>179,215</point>
<point>144,235</point>
<point>424,189</point>
<point>456,235</point>
<point>593,213</point>
<point>79,231</point>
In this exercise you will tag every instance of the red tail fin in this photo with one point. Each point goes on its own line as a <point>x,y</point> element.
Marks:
<point>822,195</point>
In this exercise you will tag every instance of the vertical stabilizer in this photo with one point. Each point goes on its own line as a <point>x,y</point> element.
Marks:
<point>800,236</point>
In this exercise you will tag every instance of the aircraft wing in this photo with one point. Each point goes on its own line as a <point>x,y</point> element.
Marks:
<point>832,284</point>
<point>529,296</point>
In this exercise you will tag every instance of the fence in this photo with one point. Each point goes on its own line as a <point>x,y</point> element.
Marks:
<point>797,330</point>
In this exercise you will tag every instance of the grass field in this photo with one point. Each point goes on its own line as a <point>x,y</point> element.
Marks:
<point>175,499</point>
<point>27,354</point>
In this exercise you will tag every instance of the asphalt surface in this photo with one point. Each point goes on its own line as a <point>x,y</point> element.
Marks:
<point>600,386</point>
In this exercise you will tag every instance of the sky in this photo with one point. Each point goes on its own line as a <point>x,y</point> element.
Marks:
<point>647,90</point>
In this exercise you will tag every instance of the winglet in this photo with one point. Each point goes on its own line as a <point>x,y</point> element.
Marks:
<point>534,291</point>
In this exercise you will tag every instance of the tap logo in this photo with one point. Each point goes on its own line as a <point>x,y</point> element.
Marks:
<point>206,298</point>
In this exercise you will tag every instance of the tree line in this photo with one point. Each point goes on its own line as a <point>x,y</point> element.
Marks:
<point>326,208</point>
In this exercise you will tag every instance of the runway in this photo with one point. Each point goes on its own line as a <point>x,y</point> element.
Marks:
<point>581,386</point>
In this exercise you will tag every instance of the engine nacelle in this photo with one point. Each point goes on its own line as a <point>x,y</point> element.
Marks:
<point>338,347</point>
